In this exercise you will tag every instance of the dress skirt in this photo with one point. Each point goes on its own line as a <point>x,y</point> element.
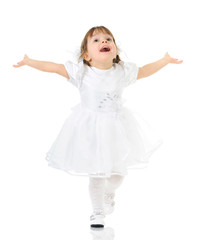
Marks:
<point>100,144</point>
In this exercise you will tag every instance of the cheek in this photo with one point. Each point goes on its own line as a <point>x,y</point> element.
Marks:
<point>114,48</point>
<point>114,51</point>
<point>93,50</point>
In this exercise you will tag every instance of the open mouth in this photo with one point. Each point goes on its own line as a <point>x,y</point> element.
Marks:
<point>105,49</point>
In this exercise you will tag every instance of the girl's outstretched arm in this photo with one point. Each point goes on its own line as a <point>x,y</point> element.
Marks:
<point>151,68</point>
<point>43,66</point>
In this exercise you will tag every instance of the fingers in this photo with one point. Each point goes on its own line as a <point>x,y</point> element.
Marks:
<point>19,64</point>
<point>180,61</point>
<point>177,61</point>
<point>16,65</point>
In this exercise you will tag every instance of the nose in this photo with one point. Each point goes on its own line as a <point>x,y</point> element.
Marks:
<point>104,41</point>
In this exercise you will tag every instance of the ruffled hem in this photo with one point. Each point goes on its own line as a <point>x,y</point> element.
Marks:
<point>141,165</point>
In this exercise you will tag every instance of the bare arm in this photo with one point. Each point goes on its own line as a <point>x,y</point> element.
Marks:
<point>43,66</point>
<point>152,68</point>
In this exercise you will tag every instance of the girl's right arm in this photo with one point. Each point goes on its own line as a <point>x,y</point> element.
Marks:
<point>43,66</point>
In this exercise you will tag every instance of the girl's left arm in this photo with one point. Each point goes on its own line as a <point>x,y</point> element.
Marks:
<point>152,68</point>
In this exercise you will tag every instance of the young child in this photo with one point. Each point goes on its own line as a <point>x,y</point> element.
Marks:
<point>101,138</point>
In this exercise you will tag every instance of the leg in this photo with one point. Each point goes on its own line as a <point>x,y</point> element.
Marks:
<point>113,183</point>
<point>97,191</point>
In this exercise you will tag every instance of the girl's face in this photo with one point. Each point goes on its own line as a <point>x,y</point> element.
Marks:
<point>101,50</point>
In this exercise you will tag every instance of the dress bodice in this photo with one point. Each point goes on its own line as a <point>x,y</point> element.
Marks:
<point>101,101</point>
<point>100,90</point>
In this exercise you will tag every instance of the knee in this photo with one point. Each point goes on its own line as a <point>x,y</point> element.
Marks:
<point>116,179</point>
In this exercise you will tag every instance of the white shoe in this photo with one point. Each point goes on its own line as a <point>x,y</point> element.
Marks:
<point>97,220</point>
<point>109,203</point>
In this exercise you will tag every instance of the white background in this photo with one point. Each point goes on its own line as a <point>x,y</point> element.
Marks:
<point>39,202</point>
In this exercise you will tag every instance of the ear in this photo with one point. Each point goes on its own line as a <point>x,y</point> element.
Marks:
<point>86,57</point>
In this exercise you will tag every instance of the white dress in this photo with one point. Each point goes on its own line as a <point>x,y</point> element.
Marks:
<point>101,137</point>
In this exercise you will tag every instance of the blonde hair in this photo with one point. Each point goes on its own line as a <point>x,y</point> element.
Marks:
<point>83,48</point>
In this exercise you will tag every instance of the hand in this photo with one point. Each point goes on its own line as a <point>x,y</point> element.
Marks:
<point>23,62</point>
<point>172,60</point>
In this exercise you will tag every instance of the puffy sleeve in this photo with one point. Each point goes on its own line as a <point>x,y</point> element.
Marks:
<point>74,71</point>
<point>130,73</point>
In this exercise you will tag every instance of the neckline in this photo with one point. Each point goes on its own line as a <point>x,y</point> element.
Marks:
<point>101,70</point>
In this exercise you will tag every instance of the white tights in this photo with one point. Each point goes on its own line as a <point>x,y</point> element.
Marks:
<point>99,186</point>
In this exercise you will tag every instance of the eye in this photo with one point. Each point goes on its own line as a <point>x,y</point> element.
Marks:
<point>95,40</point>
<point>109,39</point>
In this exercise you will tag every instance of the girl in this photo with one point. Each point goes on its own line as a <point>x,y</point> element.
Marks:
<point>101,138</point>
